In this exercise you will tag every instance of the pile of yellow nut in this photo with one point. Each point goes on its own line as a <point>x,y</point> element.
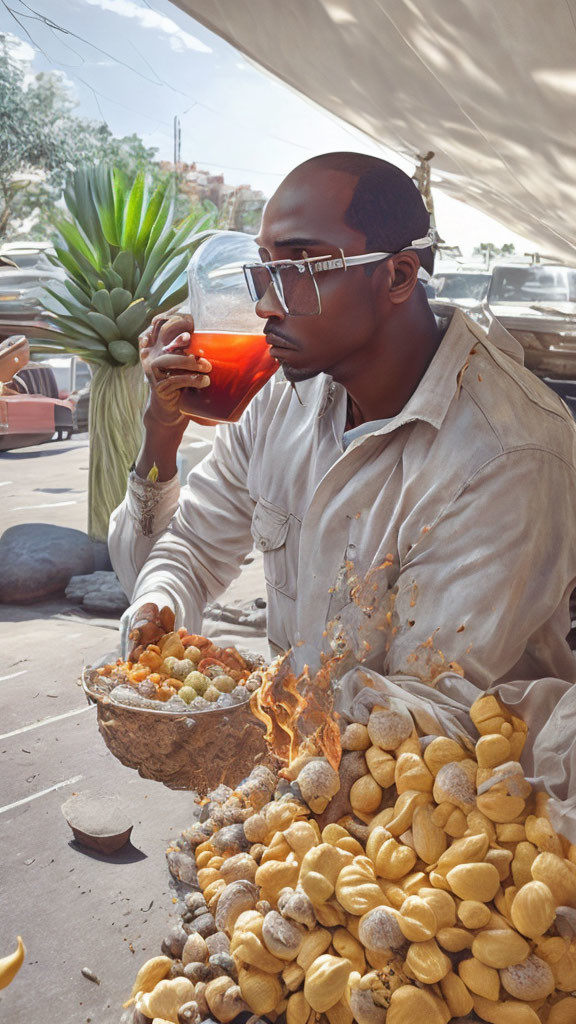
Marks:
<point>445,895</point>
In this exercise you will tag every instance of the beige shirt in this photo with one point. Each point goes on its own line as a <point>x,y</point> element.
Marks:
<point>461,512</point>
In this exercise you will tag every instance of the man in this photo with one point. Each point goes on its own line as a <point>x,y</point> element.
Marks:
<point>434,468</point>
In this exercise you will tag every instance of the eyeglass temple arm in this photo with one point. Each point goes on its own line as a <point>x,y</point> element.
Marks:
<point>372,257</point>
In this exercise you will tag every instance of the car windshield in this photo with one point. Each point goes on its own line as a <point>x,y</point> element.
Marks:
<point>533,284</point>
<point>461,286</point>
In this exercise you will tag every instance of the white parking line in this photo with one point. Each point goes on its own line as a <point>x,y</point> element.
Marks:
<point>43,792</point>
<point>43,504</point>
<point>46,721</point>
<point>4,679</point>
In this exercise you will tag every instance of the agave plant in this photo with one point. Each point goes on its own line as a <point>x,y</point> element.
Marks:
<point>125,259</point>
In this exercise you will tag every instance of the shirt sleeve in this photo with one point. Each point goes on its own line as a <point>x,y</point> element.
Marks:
<point>202,549</point>
<point>496,567</point>
<point>137,523</point>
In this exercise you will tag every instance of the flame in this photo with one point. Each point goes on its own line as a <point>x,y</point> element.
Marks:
<point>279,704</point>
<point>292,708</point>
<point>298,711</point>
<point>330,743</point>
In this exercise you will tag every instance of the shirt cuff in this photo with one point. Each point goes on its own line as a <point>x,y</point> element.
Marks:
<point>151,505</point>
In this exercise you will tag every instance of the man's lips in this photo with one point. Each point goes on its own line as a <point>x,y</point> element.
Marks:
<point>278,341</point>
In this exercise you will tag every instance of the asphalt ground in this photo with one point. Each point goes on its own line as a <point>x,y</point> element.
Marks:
<point>73,907</point>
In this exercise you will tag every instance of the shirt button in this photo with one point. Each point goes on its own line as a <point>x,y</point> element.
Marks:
<point>263,542</point>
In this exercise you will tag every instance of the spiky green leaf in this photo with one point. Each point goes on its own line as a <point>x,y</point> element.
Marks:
<point>124,266</point>
<point>151,212</point>
<point>119,186</point>
<point>90,215</point>
<point>157,262</point>
<point>134,319</point>
<point>112,279</point>
<point>133,212</point>
<point>102,303</point>
<point>78,313</point>
<point>121,299</point>
<point>163,222</point>
<point>75,240</point>
<point>104,197</point>
<point>177,269</point>
<point>124,352</point>
<point>174,298</point>
<point>105,327</point>
<point>70,264</point>
<point>77,292</point>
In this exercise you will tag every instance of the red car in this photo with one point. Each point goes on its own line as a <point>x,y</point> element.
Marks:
<point>30,410</point>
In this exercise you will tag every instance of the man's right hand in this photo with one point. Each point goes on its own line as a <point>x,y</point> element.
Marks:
<point>163,348</point>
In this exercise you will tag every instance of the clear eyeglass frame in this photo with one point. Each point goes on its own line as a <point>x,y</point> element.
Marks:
<point>282,275</point>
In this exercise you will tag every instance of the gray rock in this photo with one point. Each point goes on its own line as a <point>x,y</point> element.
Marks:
<point>175,941</point>
<point>205,925</point>
<point>38,559</point>
<point>195,901</point>
<point>251,614</point>
<point>102,556</point>
<point>98,592</point>
<point>218,943</point>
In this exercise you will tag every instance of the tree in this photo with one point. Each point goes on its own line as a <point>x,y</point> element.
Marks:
<point>29,143</point>
<point>489,250</point>
<point>125,260</point>
<point>41,140</point>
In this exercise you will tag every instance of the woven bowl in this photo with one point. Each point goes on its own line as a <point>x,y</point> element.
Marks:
<point>195,751</point>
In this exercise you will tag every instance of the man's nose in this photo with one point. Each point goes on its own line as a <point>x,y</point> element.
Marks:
<point>269,305</point>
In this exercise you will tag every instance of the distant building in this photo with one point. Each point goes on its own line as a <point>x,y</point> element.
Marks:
<point>240,206</point>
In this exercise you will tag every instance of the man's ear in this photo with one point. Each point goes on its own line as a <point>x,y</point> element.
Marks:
<point>403,275</point>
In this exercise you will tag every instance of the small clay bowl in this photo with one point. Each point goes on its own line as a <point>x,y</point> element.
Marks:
<point>100,823</point>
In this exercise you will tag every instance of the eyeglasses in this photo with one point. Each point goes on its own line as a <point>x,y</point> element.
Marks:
<point>294,281</point>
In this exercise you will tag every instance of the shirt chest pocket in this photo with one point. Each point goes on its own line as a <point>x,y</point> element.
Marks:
<point>276,534</point>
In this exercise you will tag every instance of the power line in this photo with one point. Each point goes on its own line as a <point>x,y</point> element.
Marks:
<point>44,20</point>
<point>109,99</point>
<point>72,50</point>
<point>54,27</point>
<point>25,30</point>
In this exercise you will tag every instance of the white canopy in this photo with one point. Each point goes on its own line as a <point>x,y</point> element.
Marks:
<point>488,85</point>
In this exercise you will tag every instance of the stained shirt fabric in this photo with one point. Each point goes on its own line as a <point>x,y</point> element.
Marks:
<point>443,540</point>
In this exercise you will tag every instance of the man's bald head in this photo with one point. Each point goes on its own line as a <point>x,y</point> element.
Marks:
<point>386,207</point>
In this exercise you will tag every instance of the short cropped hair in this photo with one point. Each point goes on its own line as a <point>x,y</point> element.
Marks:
<point>386,205</point>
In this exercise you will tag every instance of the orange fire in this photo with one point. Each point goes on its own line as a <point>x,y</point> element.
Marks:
<point>295,709</point>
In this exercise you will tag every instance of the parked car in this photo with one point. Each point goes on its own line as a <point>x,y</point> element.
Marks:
<point>73,376</point>
<point>30,410</point>
<point>25,273</point>
<point>537,304</point>
<point>464,286</point>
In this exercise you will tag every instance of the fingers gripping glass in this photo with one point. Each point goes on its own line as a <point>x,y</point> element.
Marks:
<point>294,281</point>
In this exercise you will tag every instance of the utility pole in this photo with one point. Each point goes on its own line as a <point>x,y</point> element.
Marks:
<point>177,146</point>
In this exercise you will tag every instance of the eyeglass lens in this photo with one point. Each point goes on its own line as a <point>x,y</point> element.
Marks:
<point>295,286</point>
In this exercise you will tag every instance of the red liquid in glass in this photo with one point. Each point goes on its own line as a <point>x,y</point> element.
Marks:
<point>241,365</point>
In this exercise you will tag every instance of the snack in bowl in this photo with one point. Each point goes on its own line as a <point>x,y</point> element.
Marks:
<point>181,671</point>
<point>178,710</point>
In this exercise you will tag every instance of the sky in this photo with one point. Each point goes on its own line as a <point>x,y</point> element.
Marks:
<point>137,64</point>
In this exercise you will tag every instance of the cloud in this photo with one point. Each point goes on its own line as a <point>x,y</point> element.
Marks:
<point>19,48</point>
<point>178,39</point>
